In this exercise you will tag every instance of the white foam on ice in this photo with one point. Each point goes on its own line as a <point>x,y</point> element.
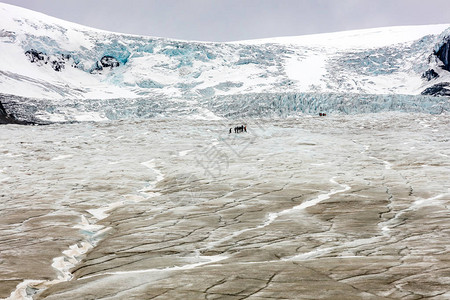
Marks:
<point>63,264</point>
<point>23,291</point>
<point>273,216</point>
<point>151,165</point>
<point>387,165</point>
<point>101,212</point>
<point>417,204</point>
<point>184,152</point>
<point>60,157</point>
<point>70,259</point>
<point>201,260</point>
<point>148,191</point>
<point>2,176</point>
<point>317,200</point>
<point>429,201</point>
<point>345,246</point>
<point>87,226</point>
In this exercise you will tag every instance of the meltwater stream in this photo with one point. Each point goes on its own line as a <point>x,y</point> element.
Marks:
<point>93,233</point>
<point>272,216</point>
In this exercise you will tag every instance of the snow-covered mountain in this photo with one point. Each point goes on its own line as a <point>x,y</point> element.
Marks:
<point>46,58</point>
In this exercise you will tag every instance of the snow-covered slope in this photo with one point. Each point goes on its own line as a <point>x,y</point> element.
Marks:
<point>358,39</point>
<point>375,61</point>
<point>47,58</point>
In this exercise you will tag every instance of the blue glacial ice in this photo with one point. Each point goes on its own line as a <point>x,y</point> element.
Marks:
<point>289,104</point>
<point>263,105</point>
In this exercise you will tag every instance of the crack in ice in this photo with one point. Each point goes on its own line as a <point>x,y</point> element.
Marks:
<point>273,216</point>
<point>206,260</point>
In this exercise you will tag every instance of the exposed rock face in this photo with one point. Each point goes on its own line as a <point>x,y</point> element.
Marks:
<point>13,111</point>
<point>439,89</point>
<point>109,62</point>
<point>35,55</point>
<point>106,61</point>
<point>57,62</point>
<point>444,54</point>
<point>6,118</point>
<point>430,74</point>
<point>3,114</point>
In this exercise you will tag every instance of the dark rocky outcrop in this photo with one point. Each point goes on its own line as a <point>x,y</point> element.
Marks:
<point>444,54</point>
<point>430,74</point>
<point>6,118</point>
<point>19,110</point>
<point>109,62</point>
<point>57,62</point>
<point>57,66</point>
<point>35,56</point>
<point>439,89</point>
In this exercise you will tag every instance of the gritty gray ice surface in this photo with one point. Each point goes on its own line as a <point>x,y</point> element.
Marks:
<point>336,207</point>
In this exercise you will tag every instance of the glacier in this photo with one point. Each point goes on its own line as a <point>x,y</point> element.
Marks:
<point>137,188</point>
<point>293,104</point>
<point>69,68</point>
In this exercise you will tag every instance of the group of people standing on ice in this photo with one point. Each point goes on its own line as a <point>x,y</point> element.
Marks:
<point>238,129</point>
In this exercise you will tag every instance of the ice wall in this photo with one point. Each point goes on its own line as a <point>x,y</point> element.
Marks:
<point>260,105</point>
<point>288,104</point>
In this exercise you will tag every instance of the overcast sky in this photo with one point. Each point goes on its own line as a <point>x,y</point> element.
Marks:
<point>231,20</point>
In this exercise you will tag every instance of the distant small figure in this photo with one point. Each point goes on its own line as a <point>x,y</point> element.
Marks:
<point>238,129</point>
<point>320,114</point>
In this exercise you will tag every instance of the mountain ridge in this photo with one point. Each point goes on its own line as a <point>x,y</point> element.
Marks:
<point>47,58</point>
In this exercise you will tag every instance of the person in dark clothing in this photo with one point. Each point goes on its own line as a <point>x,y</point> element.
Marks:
<point>238,129</point>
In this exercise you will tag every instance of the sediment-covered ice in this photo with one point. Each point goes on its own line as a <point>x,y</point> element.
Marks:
<point>304,205</point>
